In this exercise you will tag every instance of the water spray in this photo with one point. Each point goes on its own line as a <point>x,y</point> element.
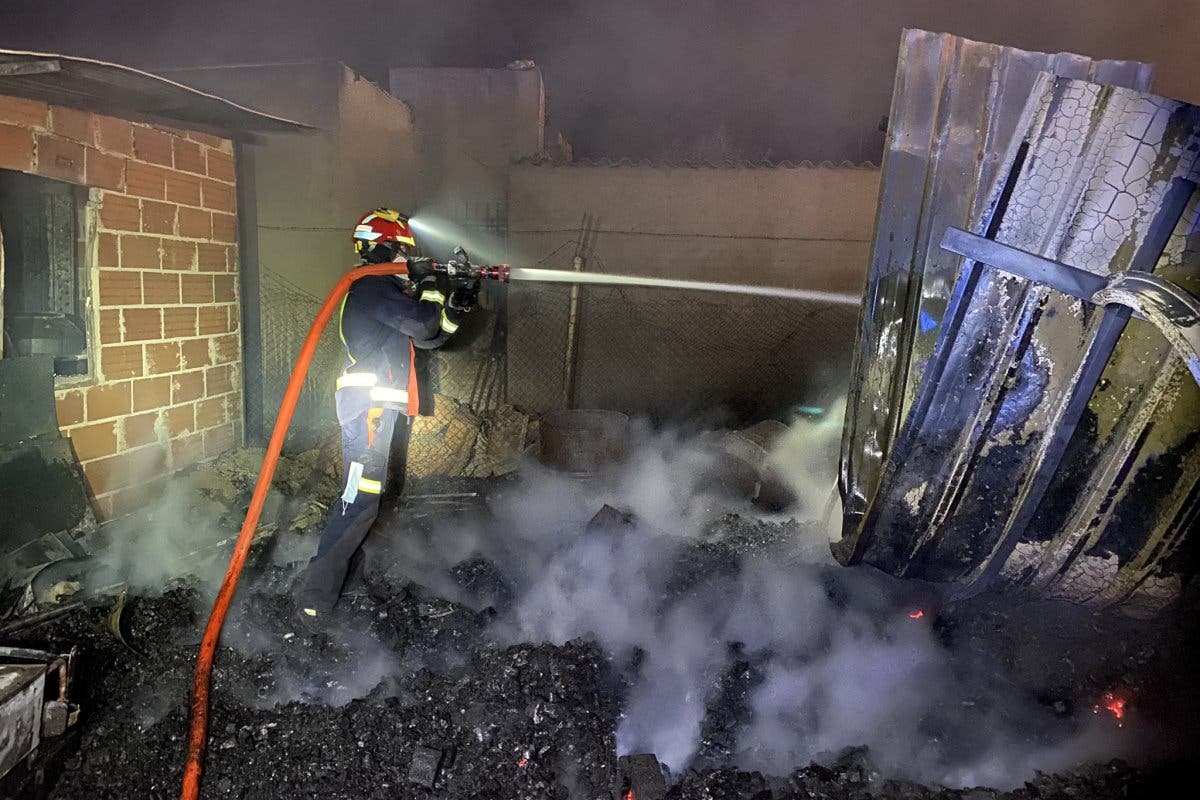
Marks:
<point>443,233</point>
<point>605,279</point>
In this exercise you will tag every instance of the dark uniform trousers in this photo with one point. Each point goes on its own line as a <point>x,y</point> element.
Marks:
<point>368,439</point>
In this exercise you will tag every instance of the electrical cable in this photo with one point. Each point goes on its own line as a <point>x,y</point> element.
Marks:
<point>202,679</point>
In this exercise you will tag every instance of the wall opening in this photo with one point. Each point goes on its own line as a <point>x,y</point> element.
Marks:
<point>46,282</point>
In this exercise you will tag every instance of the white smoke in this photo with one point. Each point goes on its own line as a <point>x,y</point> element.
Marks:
<point>841,661</point>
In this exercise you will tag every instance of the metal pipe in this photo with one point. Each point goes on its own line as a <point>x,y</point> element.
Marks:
<point>572,340</point>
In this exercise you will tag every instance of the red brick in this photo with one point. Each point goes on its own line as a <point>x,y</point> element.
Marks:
<point>140,252</point>
<point>218,196</point>
<point>232,265</point>
<point>110,326</point>
<point>69,407</point>
<point>151,393</point>
<point>71,124</point>
<point>158,217</point>
<point>139,430</point>
<point>146,180</point>
<point>103,508</point>
<point>120,287</point>
<point>196,353</point>
<point>142,324</point>
<point>197,288</point>
<point>108,254</point>
<point>212,257</point>
<point>210,413</point>
<point>220,166</point>
<point>147,463</point>
<point>187,386</point>
<point>189,156</point>
<point>120,213</point>
<point>121,362</point>
<point>212,319</point>
<point>60,159</point>
<point>226,348</point>
<point>178,255</point>
<point>108,400</point>
<point>28,113</point>
<point>178,421</point>
<point>195,223</point>
<point>108,474</point>
<point>179,323</point>
<point>225,288</point>
<point>136,498</point>
<point>103,170</point>
<point>218,440</point>
<point>94,441</point>
<point>16,148</point>
<point>218,380</point>
<point>113,135</point>
<point>204,138</point>
<point>235,318</point>
<point>162,357</point>
<point>152,146</point>
<point>187,450</point>
<point>160,289</point>
<point>183,188</point>
<point>224,227</point>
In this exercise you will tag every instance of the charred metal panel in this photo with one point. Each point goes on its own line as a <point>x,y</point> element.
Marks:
<point>956,106</point>
<point>43,496</point>
<point>992,474</point>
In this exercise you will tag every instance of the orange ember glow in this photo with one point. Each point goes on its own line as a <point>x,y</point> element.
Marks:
<point>522,761</point>
<point>629,795</point>
<point>1114,705</point>
<point>916,614</point>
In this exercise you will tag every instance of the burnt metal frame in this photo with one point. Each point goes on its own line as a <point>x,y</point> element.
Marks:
<point>1089,287</point>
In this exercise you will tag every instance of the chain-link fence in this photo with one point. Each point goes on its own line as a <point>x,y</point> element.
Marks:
<point>672,353</point>
<point>649,351</point>
<point>287,312</point>
<point>468,429</point>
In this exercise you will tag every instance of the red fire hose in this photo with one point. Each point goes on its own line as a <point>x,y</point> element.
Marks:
<point>198,726</point>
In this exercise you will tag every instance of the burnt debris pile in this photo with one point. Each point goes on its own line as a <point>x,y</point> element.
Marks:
<point>465,686</point>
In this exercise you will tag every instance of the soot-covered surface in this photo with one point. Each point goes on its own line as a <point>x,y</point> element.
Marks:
<point>409,694</point>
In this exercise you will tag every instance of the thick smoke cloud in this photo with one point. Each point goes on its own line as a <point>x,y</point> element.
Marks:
<point>840,660</point>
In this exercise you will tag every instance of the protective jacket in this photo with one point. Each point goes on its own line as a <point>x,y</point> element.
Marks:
<point>381,325</point>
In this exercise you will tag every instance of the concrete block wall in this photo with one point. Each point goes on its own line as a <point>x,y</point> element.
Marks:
<point>165,332</point>
<point>645,350</point>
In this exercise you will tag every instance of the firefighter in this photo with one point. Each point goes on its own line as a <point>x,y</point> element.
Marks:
<point>383,320</point>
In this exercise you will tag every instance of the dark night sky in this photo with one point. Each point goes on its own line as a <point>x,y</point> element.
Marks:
<point>789,79</point>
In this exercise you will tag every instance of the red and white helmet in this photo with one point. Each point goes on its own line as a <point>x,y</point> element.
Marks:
<point>380,226</point>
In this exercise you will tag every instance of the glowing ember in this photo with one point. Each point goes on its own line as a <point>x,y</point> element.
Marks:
<point>629,795</point>
<point>522,761</point>
<point>916,614</point>
<point>1112,704</point>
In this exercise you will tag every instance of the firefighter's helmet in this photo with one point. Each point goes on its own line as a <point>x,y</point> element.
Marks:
<point>381,235</point>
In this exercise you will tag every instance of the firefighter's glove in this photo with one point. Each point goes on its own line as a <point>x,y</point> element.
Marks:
<point>419,269</point>
<point>464,298</point>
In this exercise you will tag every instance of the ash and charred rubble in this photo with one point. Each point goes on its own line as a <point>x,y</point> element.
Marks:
<point>407,695</point>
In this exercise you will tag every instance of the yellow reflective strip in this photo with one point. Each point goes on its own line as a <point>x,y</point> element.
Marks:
<point>387,394</point>
<point>357,379</point>
<point>433,296</point>
<point>447,325</point>
<point>341,335</point>
<point>369,486</point>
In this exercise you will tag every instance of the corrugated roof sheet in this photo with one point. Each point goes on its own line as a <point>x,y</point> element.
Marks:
<point>114,89</point>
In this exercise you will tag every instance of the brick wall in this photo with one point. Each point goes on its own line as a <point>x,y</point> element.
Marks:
<point>166,384</point>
